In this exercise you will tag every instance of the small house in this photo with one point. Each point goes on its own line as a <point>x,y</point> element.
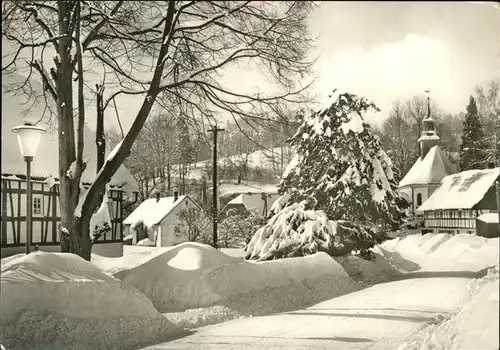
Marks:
<point>45,188</point>
<point>256,204</point>
<point>229,191</point>
<point>487,225</point>
<point>460,200</point>
<point>155,222</point>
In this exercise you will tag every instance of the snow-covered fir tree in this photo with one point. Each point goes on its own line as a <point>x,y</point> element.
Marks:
<point>474,149</point>
<point>341,182</point>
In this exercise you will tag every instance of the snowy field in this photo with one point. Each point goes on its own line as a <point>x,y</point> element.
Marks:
<point>148,296</point>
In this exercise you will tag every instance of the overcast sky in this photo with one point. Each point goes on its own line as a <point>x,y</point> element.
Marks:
<point>390,50</point>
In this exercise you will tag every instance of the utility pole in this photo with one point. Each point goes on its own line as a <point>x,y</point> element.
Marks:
<point>497,188</point>
<point>100,140</point>
<point>215,130</point>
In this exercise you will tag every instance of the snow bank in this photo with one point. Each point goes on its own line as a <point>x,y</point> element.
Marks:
<point>474,325</point>
<point>59,300</point>
<point>132,256</point>
<point>442,252</point>
<point>373,271</point>
<point>193,275</point>
<point>429,253</point>
<point>172,280</point>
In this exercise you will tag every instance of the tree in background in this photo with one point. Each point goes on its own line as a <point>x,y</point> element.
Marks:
<point>194,224</point>
<point>236,230</point>
<point>340,172</point>
<point>185,150</point>
<point>488,101</point>
<point>473,150</point>
<point>397,138</point>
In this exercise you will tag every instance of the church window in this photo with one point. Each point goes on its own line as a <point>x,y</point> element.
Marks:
<point>419,199</point>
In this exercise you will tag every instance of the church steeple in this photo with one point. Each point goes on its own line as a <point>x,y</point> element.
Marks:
<point>429,137</point>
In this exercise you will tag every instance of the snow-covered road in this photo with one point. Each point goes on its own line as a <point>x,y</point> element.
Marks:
<point>378,317</point>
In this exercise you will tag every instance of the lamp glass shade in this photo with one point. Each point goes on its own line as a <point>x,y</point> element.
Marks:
<point>28,137</point>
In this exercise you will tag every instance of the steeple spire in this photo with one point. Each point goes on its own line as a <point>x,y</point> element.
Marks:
<point>429,137</point>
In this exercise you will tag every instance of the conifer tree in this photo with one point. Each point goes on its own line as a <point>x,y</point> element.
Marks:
<point>341,173</point>
<point>473,150</point>
<point>341,167</point>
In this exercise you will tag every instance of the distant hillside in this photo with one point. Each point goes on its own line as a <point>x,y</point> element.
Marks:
<point>272,160</point>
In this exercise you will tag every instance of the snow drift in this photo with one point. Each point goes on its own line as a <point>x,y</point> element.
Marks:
<point>444,252</point>
<point>193,275</point>
<point>400,257</point>
<point>60,300</point>
<point>474,325</point>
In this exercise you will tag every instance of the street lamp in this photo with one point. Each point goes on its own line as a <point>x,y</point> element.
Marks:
<point>28,137</point>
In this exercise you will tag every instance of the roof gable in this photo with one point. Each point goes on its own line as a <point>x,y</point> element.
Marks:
<point>228,189</point>
<point>461,191</point>
<point>151,212</point>
<point>432,169</point>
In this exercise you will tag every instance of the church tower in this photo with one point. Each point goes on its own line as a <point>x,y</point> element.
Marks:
<point>429,137</point>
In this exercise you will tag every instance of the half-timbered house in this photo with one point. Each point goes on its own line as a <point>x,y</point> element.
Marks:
<point>460,200</point>
<point>45,193</point>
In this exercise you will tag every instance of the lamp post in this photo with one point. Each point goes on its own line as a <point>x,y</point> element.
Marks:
<point>28,137</point>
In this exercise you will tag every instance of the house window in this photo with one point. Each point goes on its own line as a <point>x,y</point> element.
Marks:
<point>419,199</point>
<point>37,206</point>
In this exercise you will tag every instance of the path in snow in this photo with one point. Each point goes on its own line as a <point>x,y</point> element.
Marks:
<point>378,317</point>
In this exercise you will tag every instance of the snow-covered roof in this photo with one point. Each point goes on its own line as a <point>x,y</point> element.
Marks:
<point>489,218</point>
<point>432,169</point>
<point>152,212</point>
<point>229,189</point>
<point>46,162</point>
<point>253,202</point>
<point>237,200</point>
<point>461,191</point>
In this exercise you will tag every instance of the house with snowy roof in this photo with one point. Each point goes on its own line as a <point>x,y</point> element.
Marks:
<point>429,169</point>
<point>45,188</point>
<point>229,191</point>
<point>254,203</point>
<point>155,222</point>
<point>460,199</point>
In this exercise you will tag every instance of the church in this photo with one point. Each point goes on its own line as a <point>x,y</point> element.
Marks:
<point>429,169</point>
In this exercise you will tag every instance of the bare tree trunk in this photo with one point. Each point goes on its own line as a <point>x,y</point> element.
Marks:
<point>100,140</point>
<point>169,171</point>
<point>162,179</point>
<point>183,179</point>
<point>67,155</point>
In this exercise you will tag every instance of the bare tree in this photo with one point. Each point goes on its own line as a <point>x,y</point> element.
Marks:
<point>195,224</point>
<point>488,98</point>
<point>399,139</point>
<point>170,52</point>
<point>416,112</point>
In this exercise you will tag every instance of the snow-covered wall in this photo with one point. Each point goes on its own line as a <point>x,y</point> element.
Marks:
<point>110,250</point>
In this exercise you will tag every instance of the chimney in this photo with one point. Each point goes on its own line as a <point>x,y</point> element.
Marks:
<point>157,197</point>
<point>491,165</point>
<point>176,196</point>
